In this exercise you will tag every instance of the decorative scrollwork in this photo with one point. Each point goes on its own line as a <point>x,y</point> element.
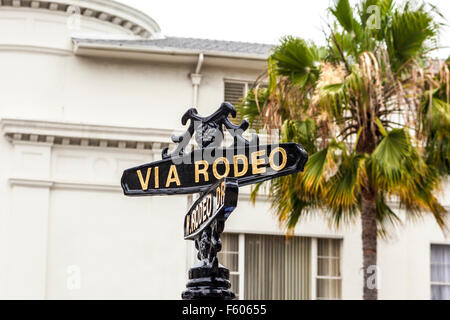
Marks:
<point>209,244</point>
<point>208,131</point>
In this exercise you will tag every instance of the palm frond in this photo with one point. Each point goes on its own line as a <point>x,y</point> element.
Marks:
<point>386,217</point>
<point>436,119</point>
<point>342,194</point>
<point>298,60</point>
<point>251,106</point>
<point>321,166</point>
<point>389,157</point>
<point>301,131</point>
<point>408,34</point>
<point>400,171</point>
<point>343,13</point>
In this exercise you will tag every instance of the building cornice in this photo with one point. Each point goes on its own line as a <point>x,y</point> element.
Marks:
<point>39,49</point>
<point>40,183</point>
<point>84,135</point>
<point>94,135</point>
<point>109,11</point>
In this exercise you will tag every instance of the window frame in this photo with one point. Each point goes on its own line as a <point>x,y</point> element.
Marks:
<point>244,82</point>
<point>313,261</point>
<point>435,283</point>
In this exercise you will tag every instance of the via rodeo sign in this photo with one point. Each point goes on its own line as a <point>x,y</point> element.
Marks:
<point>216,173</point>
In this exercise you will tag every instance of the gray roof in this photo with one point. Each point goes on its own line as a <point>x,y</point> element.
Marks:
<point>203,45</point>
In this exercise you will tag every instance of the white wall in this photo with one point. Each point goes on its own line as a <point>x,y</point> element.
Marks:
<point>62,206</point>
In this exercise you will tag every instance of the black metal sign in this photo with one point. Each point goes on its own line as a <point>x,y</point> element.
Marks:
<point>216,172</point>
<point>247,161</point>
<point>216,203</point>
<point>247,164</point>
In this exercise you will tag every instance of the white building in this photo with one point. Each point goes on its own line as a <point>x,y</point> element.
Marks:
<point>85,96</point>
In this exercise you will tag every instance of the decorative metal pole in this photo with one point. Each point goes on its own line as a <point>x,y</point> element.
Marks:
<point>204,224</point>
<point>209,279</point>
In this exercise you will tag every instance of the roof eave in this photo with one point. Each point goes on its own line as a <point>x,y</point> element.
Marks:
<point>107,49</point>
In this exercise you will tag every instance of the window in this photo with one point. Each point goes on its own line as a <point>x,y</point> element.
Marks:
<point>229,257</point>
<point>273,267</point>
<point>328,278</point>
<point>277,268</point>
<point>235,91</point>
<point>440,272</point>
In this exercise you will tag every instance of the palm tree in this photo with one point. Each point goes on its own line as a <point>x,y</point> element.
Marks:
<point>372,110</point>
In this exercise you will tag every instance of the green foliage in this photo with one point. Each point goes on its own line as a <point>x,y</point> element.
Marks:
<point>389,157</point>
<point>298,60</point>
<point>303,131</point>
<point>343,13</point>
<point>251,107</point>
<point>342,102</point>
<point>408,34</point>
<point>436,120</point>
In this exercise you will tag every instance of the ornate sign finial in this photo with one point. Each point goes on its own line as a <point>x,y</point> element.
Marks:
<point>208,131</point>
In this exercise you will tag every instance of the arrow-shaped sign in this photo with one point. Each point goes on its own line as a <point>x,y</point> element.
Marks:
<point>216,203</point>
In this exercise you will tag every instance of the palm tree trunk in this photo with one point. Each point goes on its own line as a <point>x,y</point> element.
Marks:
<point>367,144</point>
<point>369,243</point>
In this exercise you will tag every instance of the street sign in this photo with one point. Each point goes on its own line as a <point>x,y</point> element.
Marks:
<point>197,171</point>
<point>216,203</point>
<point>216,172</point>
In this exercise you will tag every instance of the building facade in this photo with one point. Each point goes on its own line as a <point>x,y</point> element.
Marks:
<point>90,88</point>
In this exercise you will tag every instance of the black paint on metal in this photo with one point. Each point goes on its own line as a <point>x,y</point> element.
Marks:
<point>217,203</point>
<point>296,159</point>
<point>209,279</point>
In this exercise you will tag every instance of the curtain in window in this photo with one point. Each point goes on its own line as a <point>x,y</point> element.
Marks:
<point>440,272</point>
<point>277,268</point>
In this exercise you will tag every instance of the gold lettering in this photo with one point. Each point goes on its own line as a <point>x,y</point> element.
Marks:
<point>222,195</point>
<point>210,205</point>
<point>156,177</point>
<point>202,171</point>
<point>193,221</point>
<point>144,185</point>
<point>227,167</point>
<point>172,176</point>
<point>199,215</point>
<point>187,225</point>
<point>283,162</point>
<point>197,210</point>
<point>218,197</point>
<point>236,159</point>
<point>256,162</point>
<point>205,209</point>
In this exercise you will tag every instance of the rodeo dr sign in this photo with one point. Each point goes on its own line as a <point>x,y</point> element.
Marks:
<point>216,173</point>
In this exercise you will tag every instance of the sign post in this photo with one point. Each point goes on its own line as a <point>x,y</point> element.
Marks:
<point>216,173</point>
<point>203,223</point>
